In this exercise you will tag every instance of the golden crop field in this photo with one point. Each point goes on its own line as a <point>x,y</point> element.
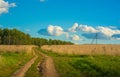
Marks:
<point>13,57</point>
<point>16,48</point>
<point>84,49</point>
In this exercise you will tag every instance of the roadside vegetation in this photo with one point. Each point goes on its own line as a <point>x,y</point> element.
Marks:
<point>34,69</point>
<point>86,65</point>
<point>12,61</point>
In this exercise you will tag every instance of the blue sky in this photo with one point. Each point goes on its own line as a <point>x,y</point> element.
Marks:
<point>56,19</point>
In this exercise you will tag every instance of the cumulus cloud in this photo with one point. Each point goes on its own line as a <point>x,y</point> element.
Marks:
<point>53,31</point>
<point>86,28</point>
<point>73,28</point>
<point>90,31</point>
<point>75,37</point>
<point>56,30</point>
<point>5,5</point>
<point>104,32</point>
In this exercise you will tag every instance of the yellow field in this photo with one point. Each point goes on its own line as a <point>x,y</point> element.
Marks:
<point>16,48</point>
<point>84,49</point>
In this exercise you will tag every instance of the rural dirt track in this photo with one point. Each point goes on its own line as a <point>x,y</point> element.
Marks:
<point>47,67</point>
<point>21,72</point>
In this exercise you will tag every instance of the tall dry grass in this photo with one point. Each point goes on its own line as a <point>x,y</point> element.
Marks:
<point>16,48</point>
<point>84,49</point>
<point>0,57</point>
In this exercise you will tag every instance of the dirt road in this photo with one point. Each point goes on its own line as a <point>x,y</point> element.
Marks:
<point>47,67</point>
<point>21,72</point>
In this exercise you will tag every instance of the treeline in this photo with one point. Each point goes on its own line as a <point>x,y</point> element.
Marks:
<point>16,37</point>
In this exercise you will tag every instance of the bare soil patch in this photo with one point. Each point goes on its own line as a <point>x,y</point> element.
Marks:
<point>47,67</point>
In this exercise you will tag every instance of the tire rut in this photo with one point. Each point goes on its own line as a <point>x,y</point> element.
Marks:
<point>21,72</point>
<point>47,67</point>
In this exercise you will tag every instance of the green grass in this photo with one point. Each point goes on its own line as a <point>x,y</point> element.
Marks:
<point>33,71</point>
<point>86,65</point>
<point>11,61</point>
<point>97,66</point>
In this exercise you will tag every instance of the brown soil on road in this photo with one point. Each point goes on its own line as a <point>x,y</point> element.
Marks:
<point>47,67</point>
<point>21,72</point>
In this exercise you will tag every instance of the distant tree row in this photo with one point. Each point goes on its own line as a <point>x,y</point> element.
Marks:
<point>16,37</point>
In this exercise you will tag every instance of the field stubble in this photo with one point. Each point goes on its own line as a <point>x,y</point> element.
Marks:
<point>16,48</point>
<point>12,57</point>
<point>84,49</point>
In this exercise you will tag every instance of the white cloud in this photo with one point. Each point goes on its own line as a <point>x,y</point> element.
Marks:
<point>73,28</point>
<point>107,31</point>
<point>104,32</point>
<point>86,28</point>
<point>75,37</point>
<point>5,5</point>
<point>56,31</point>
<point>42,0</point>
<point>88,32</point>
